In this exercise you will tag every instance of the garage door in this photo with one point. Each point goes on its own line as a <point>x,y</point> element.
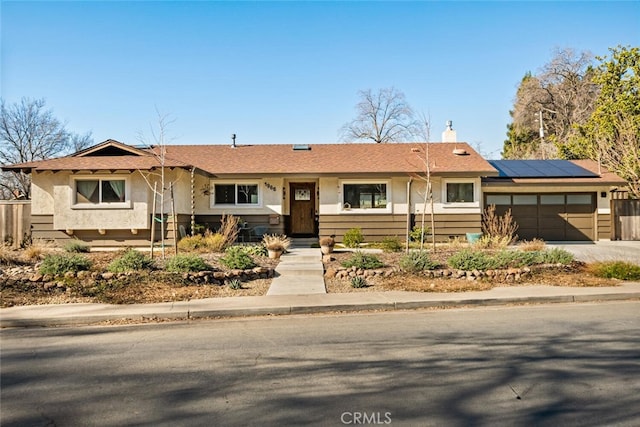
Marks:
<point>549,216</point>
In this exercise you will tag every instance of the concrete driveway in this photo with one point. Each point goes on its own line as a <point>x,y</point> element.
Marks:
<point>602,250</point>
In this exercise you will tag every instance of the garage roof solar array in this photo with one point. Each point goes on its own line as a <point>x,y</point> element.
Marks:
<point>540,169</point>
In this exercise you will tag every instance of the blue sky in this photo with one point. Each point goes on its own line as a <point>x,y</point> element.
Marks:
<point>289,72</point>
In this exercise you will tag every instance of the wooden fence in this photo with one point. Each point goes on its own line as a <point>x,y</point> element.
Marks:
<point>626,219</point>
<point>15,221</point>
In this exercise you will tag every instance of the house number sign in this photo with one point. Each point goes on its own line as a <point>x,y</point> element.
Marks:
<point>303,194</point>
<point>270,186</point>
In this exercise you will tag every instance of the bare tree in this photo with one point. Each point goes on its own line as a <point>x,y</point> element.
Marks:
<point>549,105</point>
<point>155,179</point>
<point>424,131</point>
<point>383,116</point>
<point>29,132</point>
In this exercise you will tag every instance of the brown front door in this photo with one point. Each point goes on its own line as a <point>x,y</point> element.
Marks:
<point>303,207</point>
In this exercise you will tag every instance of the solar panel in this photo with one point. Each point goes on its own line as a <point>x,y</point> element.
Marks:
<point>540,169</point>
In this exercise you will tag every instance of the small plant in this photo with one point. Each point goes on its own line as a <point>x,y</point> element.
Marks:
<point>276,242</point>
<point>616,270</point>
<point>58,264</point>
<point>236,257</point>
<point>254,250</point>
<point>77,246</point>
<point>391,244</point>
<point>229,229</point>
<point>493,242</point>
<point>468,259</point>
<point>495,226</point>
<point>556,256</point>
<point>186,263</point>
<point>215,242</point>
<point>362,260</point>
<point>131,260</point>
<point>358,282</point>
<point>234,284</point>
<point>418,234</point>
<point>353,238</point>
<point>532,245</point>
<point>416,261</point>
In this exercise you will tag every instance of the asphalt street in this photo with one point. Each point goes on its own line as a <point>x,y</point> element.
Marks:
<point>563,364</point>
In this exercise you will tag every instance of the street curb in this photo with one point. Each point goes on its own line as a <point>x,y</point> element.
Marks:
<point>182,314</point>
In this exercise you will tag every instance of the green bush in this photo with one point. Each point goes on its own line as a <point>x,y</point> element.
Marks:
<point>358,282</point>
<point>58,264</point>
<point>77,246</point>
<point>185,263</point>
<point>192,243</point>
<point>353,237</point>
<point>255,250</point>
<point>362,260</point>
<point>416,261</point>
<point>556,256</point>
<point>468,259</point>
<point>236,257</point>
<point>131,260</point>
<point>419,234</point>
<point>616,270</point>
<point>391,244</point>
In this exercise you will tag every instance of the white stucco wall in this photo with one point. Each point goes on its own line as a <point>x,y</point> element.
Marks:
<point>53,194</point>
<point>270,193</point>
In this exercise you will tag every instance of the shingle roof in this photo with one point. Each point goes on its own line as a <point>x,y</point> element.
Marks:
<point>331,158</point>
<point>282,159</point>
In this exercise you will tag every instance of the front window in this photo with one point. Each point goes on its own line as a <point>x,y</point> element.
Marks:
<point>365,196</point>
<point>235,194</point>
<point>100,191</point>
<point>460,192</point>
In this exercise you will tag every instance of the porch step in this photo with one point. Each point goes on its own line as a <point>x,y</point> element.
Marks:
<point>299,272</point>
<point>303,242</point>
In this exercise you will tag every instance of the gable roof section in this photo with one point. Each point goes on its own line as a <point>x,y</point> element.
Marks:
<point>346,158</point>
<point>108,155</point>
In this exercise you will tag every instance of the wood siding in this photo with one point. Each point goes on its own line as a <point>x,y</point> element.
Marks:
<point>15,222</point>
<point>604,226</point>
<point>377,227</point>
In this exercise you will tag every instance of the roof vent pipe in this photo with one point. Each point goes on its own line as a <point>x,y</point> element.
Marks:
<point>233,140</point>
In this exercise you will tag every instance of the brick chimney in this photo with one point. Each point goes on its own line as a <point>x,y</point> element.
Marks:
<point>449,135</point>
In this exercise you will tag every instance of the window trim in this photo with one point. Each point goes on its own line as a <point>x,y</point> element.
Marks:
<point>212,197</point>
<point>347,210</point>
<point>476,195</point>
<point>101,205</point>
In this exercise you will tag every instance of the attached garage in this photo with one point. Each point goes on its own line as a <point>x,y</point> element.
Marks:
<point>553,200</point>
<point>549,216</point>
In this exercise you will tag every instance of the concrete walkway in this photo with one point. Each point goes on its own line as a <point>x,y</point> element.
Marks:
<point>300,272</point>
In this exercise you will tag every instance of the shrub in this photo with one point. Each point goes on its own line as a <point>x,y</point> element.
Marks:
<point>229,229</point>
<point>532,245</point>
<point>556,256</point>
<point>418,234</point>
<point>327,241</point>
<point>616,270</point>
<point>391,244</point>
<point>191,243</point>
<point>215,242</point>
<point>362,260</point>
<point>77,246</point>
<point>234,284</point>
<point>58,264</point>
<point>416,261</point>
<point>236,257</point>
<point>185,263</point>
<point>254,250</point>
<point>498,226</point>
<point>468,259</point>
<point>131,260</point>
<point>353,237</point>
<point>358,282</point>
